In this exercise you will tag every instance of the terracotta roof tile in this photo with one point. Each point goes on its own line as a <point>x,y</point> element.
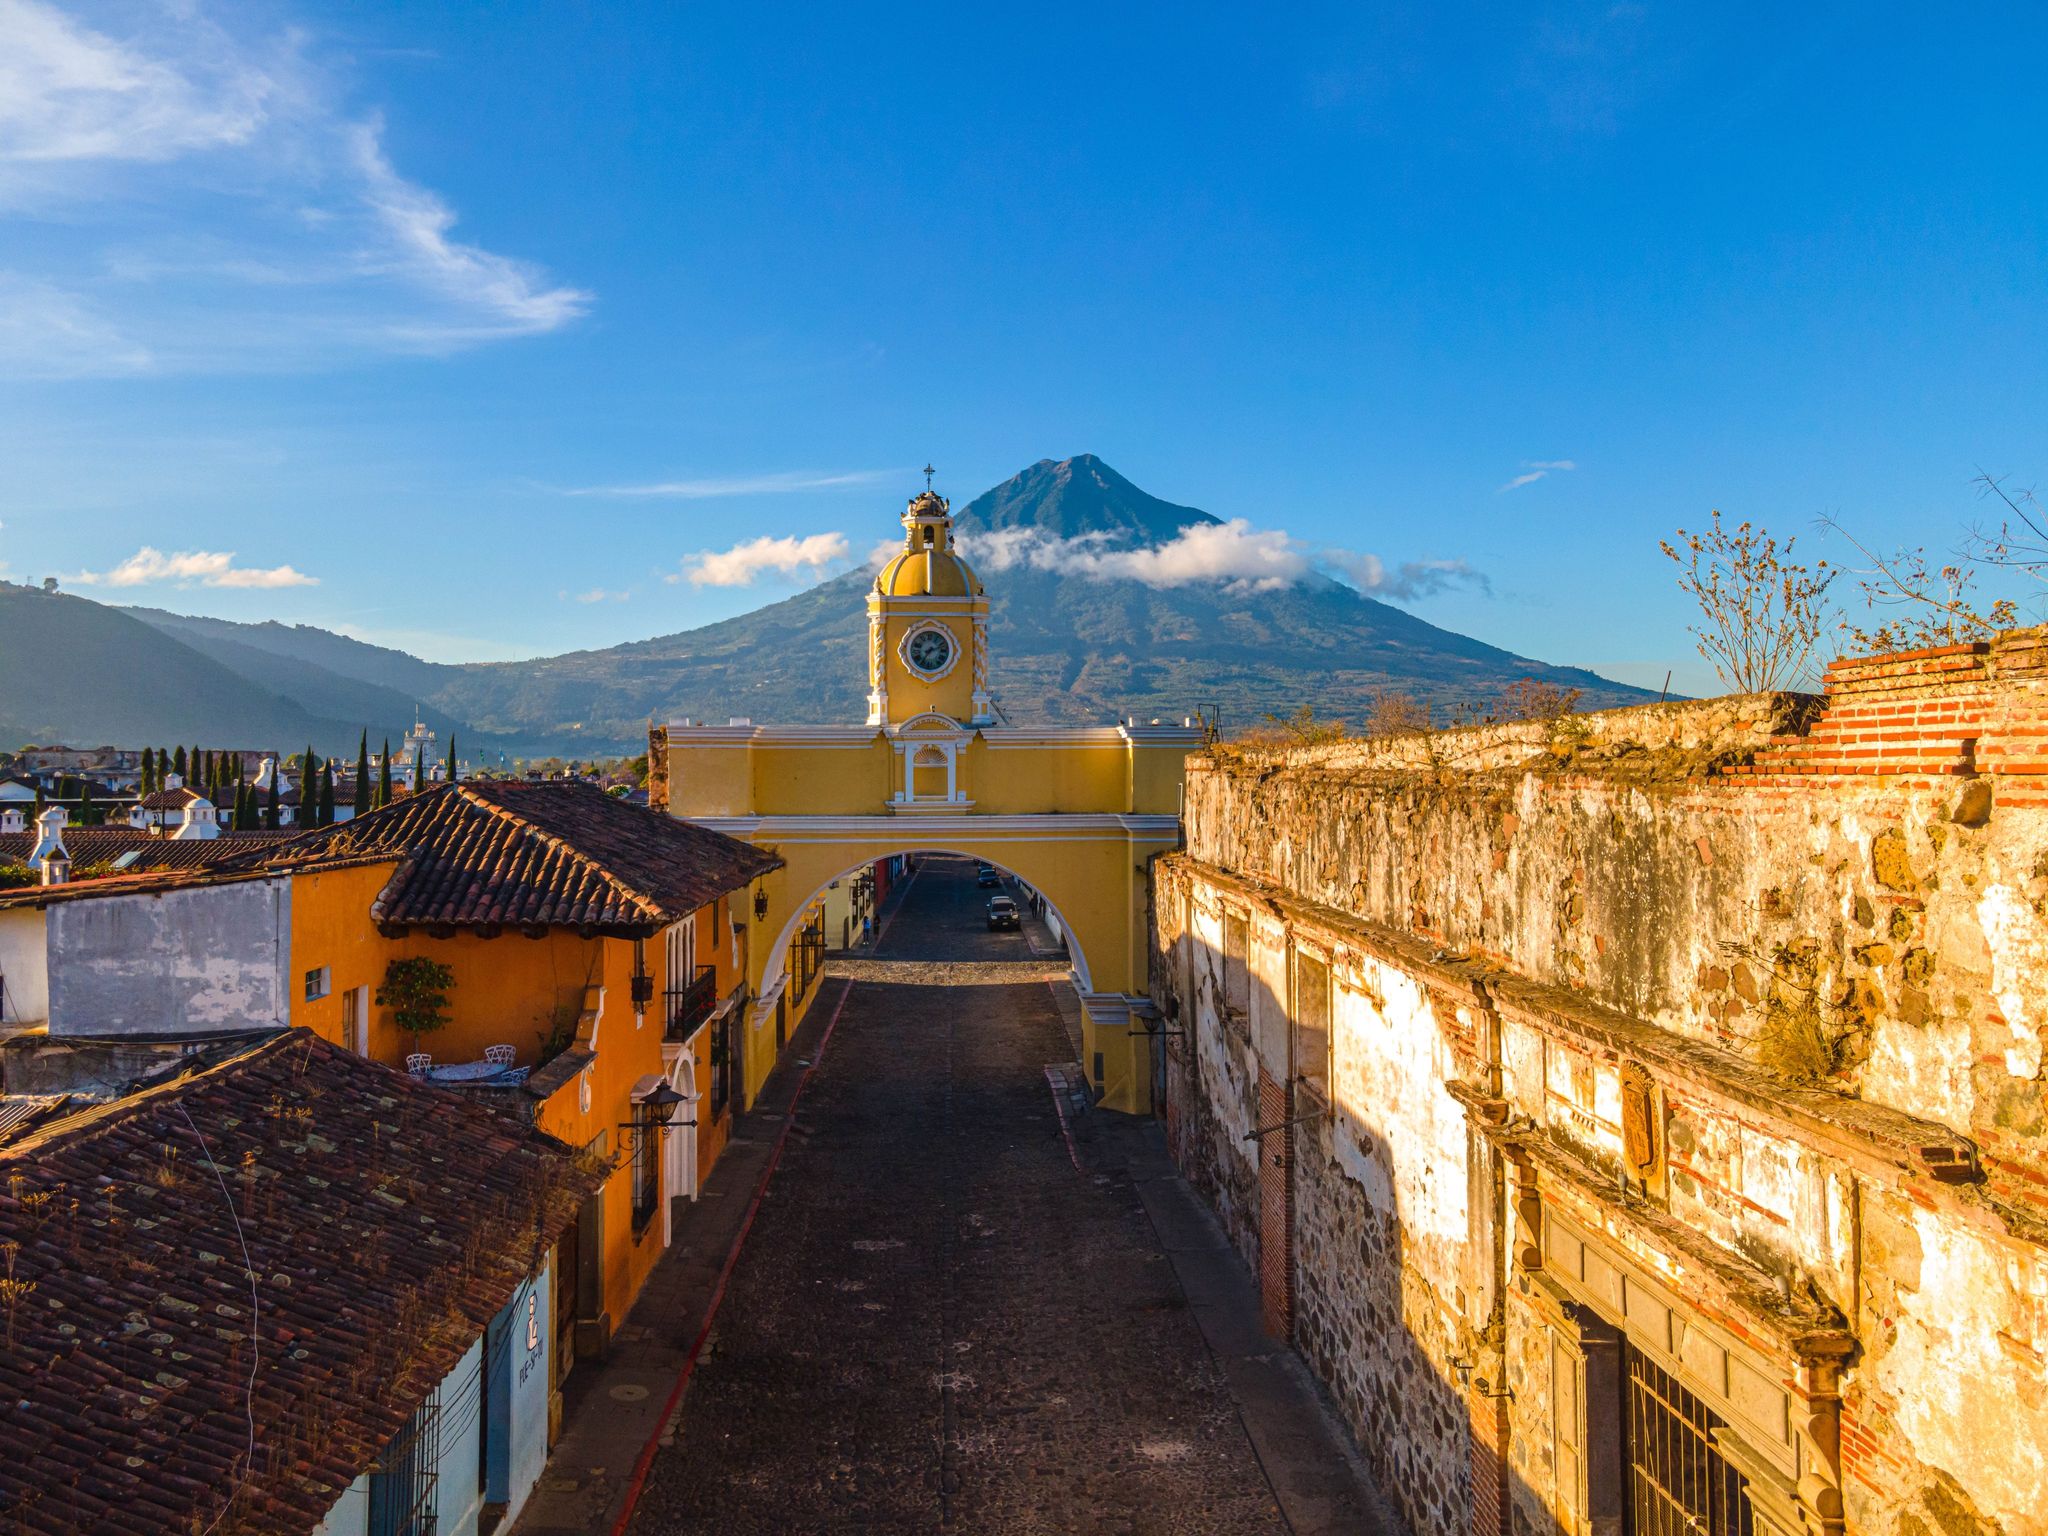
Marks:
<point>386,1221</point>
<point>513,853</point>
<point>91,847</point>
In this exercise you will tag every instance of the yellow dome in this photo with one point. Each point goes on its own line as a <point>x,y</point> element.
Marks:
<point>927,573</point>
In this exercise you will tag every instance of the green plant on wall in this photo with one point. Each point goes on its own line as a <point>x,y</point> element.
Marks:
<point>416,991</point>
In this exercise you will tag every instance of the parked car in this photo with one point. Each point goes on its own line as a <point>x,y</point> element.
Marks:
<point>1002,913</point>
<point>986,876</point>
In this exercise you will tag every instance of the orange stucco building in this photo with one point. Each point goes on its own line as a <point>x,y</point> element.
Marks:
<point>595,952</point>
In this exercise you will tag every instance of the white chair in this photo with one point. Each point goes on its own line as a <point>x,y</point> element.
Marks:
<point>418,1062</point>
<point>500,1055</point>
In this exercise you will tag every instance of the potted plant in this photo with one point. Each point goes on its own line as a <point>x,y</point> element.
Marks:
<point>416,991</point>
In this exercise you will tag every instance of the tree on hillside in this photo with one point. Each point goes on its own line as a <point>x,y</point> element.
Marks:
<point>384,775</point>
<point>362,802</point>
<point>327,793</point>
<point>451,757</point>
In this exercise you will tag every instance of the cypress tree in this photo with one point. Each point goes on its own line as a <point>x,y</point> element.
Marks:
<point>178,763</point>
<point>327,793</point>
<point>363,774</point>
<point>270,810</point>
<point>309,787</point>
<point>148,771</point>
<point>419,769</point>
<point>451,757</point>
<point>87,816</point>
<point>384,775</point>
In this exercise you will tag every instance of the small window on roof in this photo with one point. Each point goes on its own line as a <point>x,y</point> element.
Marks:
<point>127,860</point>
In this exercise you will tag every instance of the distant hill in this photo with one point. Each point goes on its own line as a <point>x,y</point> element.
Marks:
<point>76,671</point>
<point>340,655</point>
<point>1068,649</point>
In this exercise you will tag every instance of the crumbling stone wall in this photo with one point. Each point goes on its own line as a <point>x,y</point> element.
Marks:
<point>1811,936</point>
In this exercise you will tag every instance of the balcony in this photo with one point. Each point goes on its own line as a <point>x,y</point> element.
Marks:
<point>687,1007</point>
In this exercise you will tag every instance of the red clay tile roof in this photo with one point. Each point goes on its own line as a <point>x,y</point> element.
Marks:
<point>386,1222</point>
<point>521,854</point>
<point>172,799</point>
<point>91,847</point>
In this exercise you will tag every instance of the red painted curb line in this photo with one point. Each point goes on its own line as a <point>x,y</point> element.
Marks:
<point>645,1461</point>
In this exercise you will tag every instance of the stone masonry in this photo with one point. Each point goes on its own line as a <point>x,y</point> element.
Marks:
<point>1683,1079</point>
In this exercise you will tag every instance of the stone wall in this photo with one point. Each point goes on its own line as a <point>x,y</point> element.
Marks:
<point>1704,1038</point>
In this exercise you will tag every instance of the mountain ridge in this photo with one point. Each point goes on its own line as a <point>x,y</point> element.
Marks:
<point>1067,648</point>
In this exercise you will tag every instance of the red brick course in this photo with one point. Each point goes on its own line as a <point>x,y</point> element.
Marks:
<point>1952,712</point>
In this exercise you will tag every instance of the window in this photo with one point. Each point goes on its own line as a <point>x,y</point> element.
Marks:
<point>1237,977</point>
<point>319,982</point>
<point>1312,1022</point>
<point>646,1166</point>
<point>721,1060</point>
<point>1679,1483</point>
<point>404,1481</point>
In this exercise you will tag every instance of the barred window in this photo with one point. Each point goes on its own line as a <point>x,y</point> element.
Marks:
<point>1312,1022</point>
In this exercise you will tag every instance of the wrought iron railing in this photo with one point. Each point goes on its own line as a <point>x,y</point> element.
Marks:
<point>688,1006</point>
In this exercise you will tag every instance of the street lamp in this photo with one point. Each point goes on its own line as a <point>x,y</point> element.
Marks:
<point>660,1106</point>
<point>760,905</point>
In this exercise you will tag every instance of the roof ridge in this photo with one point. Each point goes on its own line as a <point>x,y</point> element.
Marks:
<point>99,1117</point>
<point>645,902</point>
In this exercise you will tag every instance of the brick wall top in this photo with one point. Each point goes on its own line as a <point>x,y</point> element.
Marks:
<point>1945,713</point>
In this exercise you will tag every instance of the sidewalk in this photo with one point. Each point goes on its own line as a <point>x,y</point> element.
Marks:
<point>1318,1478</point>
<point>613,1412</point>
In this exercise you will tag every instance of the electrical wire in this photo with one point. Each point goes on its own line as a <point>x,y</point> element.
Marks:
<point>255,1318</point>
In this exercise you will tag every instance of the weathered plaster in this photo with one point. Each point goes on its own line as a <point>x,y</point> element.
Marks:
<point>210,958</point>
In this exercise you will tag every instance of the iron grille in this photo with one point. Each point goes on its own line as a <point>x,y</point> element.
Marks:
<point>690,1004</point>
<point>809,945</point>
<point>402,1488</point>
<point>1679,1483</point>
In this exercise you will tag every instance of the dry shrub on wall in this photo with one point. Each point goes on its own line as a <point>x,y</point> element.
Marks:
<point>1809,1032</point>
<point>1533,699</point>
<point>1762,613</point>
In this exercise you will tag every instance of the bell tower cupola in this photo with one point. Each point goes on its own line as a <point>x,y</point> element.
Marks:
<point>928,625</point>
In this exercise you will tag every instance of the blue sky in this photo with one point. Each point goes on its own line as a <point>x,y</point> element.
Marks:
<point>337,308</point>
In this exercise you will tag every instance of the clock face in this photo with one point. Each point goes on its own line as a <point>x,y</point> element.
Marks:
<point>930,650</point>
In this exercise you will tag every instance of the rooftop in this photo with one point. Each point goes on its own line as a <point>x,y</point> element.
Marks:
<point>384,1222</point>
<point>516,853</point>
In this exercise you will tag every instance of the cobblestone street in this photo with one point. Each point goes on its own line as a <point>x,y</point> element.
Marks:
<point>940,1321</point>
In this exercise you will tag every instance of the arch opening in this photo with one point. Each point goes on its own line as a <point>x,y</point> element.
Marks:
<point>775,972</point>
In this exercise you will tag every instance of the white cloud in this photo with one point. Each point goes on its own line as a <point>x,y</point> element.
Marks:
<point>69,93</point>
<point>795,559</point>
<point>206,200</point>
<point>47,333</point>
<point>198,567</point>
<point>1233,554</point>
<point>737,485</point>
<point>1537,469</point>
<point>601,595</point>
<point>418,223</point>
